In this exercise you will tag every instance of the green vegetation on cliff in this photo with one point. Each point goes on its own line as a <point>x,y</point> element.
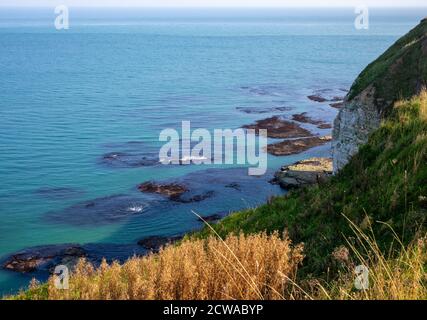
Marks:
<point>400,72</point>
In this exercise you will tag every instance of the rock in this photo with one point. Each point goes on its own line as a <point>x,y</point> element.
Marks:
<point>304,173</point>
<point>99,211</point>
<point>44,258</point>
<point>323,95</point>
<point>129,160</point>
<point>172,190</point>
<point>279,128</point>
<point>325,126</point>
<point>211,218</point>
<point>337,105</point>
<point>317,98</point>
<point>353,125</point>
<point>154,243</point>
<point>234,186</point>
<point>194,198</point>
<point>304,118</point>
<point>131,154</point>
<point>255,110</point>
<point>296,146</point>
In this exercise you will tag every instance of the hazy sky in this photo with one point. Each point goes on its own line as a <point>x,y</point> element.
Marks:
<point>216,3</point>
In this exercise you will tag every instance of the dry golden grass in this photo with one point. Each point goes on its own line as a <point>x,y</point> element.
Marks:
<point>241,267</point>
<point>393,277</point>
<point>401,278</point>
<point>423,104</point>
<point>245,267</point>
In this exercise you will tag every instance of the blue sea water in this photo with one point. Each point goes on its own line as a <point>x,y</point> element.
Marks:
<point>118,77</point>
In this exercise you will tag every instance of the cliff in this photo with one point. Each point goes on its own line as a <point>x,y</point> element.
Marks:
<point>400,73</point>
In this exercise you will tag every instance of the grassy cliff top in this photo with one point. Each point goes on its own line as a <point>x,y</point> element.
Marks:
<point>400,72</point>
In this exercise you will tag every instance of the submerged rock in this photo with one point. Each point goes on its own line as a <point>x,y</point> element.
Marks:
<point>296,146</point>
<point>317,98</point>
<point>337,105</point>
<point>172,190</point>
<point>260,110</point>
<point>211,218</point>
<point>129,160</point>
<point>279,128</point>
<point>194,198</point>
<point>325,95</point>
<point>131,154</point>
<point>303,173</point>
<point>99,211</point>
<point>234,186</point>
<point>44,258</point>
<point>325,126</point>
<point>304,118</point>
<point>154,243</point>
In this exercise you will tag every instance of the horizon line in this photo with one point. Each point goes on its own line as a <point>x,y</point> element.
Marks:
<point>221,7</point>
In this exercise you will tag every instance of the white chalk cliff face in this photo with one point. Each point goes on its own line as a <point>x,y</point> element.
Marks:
<point>358,118</point>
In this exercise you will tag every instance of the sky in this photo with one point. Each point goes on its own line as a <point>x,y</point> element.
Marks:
<point>215,3</point>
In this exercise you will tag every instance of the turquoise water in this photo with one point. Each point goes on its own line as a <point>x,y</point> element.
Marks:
<point>118,77</point>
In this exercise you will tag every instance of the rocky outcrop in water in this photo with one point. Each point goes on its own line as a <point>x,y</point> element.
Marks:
<point>327,95</point>
<point>190,198</point>
<point>295,146</point>
<point>44,258</point>
<point>305,118</point>
<point>279,128</point>
<point>175,192</point>
<point>304,173</point>
<point>337,105</point>
<point>171,190</point>
<point>128,160</point>
<point>99,211</point>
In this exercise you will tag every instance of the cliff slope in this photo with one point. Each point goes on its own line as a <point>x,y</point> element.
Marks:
<point>399,73</point>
